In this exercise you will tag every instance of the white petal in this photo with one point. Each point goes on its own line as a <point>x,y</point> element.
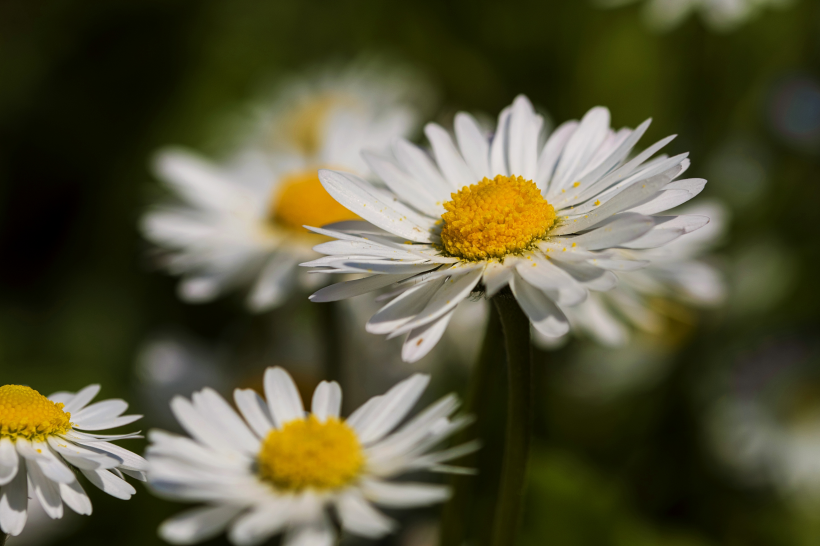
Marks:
<point>52,466</point>
<point>404,495</point>
<point>130,461</point>
<point>551,153</point>
<point>317,534</point>
<point>497,276</point>
<point>198,524</point>
<point>221,415</point>
<point>421,340</point>
<point>109,483</point>
<point>74,497</point>
<point>199,427</point>
<point>9,461</point>
<point>544,315</point>
<point>454,290</point>
<point>450,162</point>
<point>416,162</point>
<point>498,147</point>
<point>525,126</point>
<point>594,278</point>
<point>327,400</point>
<point>403,308</point>
<point>359,517</point>
<point>474,146</point>
<point>46,491</point>
<point>261,523</point>
<point>624,228</point>
<point>581,147</point>
<point>283,397</point>
<point>101,411</point>
<point>403,185</point>
<point>599,323</point>
<point>616,155</point>
<point>391,408</point>
<point>81,399</point>
<point>556,282</point>
<point>668,229</point>
<point>359,197</point>
<point>255,411</point>
<point>14,503</point>
<point>83,457</point>
<point>350,289</point>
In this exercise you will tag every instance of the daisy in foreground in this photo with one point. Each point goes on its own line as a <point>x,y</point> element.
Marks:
<point>720,15</point>
<point>550,218</point>
<point>238,224</point>
<point>44,441</point>
<point>277,469</point>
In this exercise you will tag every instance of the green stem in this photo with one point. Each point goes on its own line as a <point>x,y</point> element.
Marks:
<point>3,538</point>
<point>330,324</point>
<point>464,514</point>
<point>508,511</point>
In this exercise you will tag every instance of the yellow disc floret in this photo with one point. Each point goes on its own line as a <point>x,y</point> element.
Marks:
<point>26,413</point>
<point>302,201</point>
<point>311,454</point>
<point>495,218</point>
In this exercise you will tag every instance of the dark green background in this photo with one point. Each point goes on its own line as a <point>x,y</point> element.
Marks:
<point>89,89</point>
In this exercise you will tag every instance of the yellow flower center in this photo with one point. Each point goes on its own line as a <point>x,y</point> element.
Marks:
<point>495,218</point>
<point>26,413</point>
<point>310,454</point>
<point>302,201</point>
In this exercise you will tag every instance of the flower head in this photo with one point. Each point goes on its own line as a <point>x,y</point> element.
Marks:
<point>240,223</point>
<point>42,444</point>
<point>275,469</point>
<point>550,219</point>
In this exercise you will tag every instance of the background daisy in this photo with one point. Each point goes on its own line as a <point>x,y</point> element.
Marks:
<point>275,469</point>
<point>238,223</point>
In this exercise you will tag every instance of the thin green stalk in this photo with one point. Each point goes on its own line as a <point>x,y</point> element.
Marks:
<point>510,502</point>
<point>330,328</point>
<point>462,515</point>
<point>3,538</point>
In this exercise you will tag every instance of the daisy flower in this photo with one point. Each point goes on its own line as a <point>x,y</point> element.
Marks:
<point>720,15</point>
<point>675,278</point>
<point>45,441</point>
<point>276,469</point>
<point>546,217</point>
<point>239,223</point>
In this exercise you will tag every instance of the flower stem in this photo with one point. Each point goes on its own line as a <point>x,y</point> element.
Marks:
<point>330,324</point>
<point>468,514</point>
<point>516,329</point>
<point>3,537</point>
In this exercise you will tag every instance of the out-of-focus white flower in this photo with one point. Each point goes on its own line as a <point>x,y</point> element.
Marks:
<point>276,470</point>
<point>546,217</point>
<point>765,423</point>
<point>239,223</point>
<point>720,15</point>
<point>43,440</point>
<point>674,278</point>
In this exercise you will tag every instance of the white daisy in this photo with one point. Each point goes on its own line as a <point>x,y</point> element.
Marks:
<point>548,217</point>
<point>240,223</point>
<point>45,441</point>
<point>675,278</point>
<point>277,470</point>
<point>720,15</point>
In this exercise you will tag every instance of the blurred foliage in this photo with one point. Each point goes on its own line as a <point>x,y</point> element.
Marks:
<point>90,89</point>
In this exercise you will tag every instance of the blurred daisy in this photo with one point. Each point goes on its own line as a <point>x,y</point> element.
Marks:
<point>546,217</point>
<point>44,440</point>
<point>764,422</point>
<point>674,280</point>
<point>240,223</point>
<point>276,469</point>
<point>720,15</point>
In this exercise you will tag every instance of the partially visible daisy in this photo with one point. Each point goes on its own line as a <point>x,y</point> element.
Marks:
<point>239,223</point>
<point>542,216</point>
<point>674,279</point>
<point>276,469</point>
<point>720,15</point>
<point>45,441</point>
